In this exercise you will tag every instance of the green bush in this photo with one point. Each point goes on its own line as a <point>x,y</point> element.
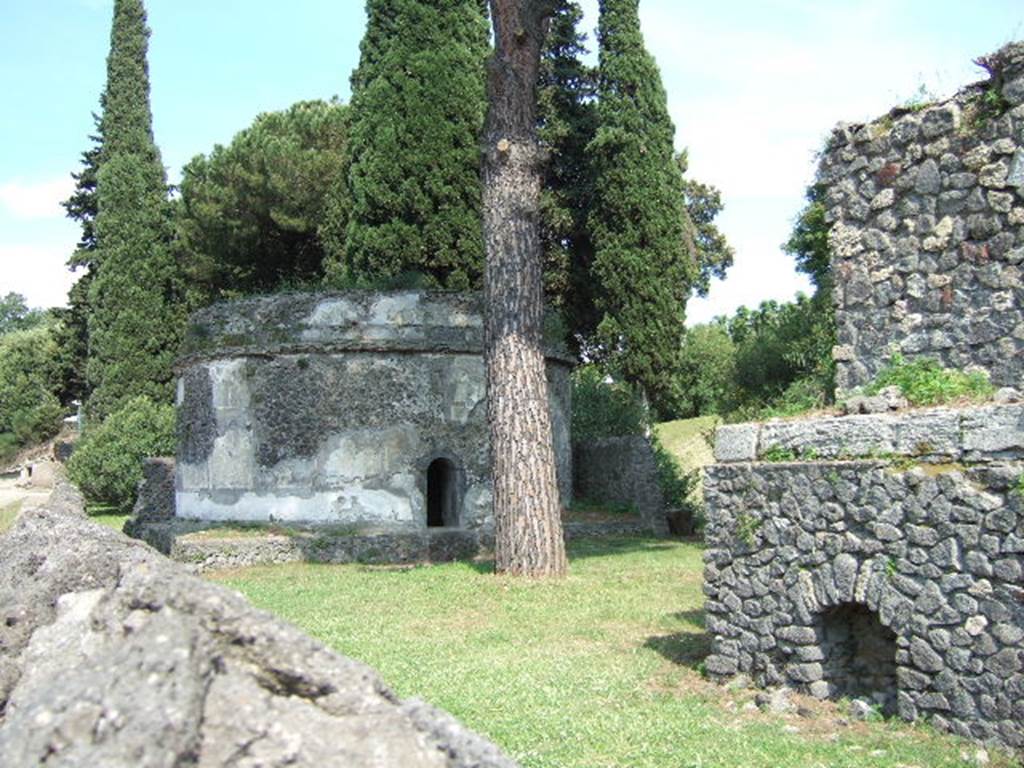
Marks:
<point>685,511</point>
<point>8,447</point>
<point>605,408</point>
<point>39,422</point>
<point>925,382</point>
<point>107,462</point>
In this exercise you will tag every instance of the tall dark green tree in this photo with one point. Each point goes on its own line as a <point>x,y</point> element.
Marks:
<point>567,121</point>
<point>72,333</point>
<point>249,213</point>
<point>418,102</point>
<point>134,315</point>
<point>644,262</point>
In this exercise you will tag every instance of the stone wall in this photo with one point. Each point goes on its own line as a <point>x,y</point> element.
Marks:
<point>888,564</point>
<point>621,470</point>
<point>331,408</point>
<point>112,655</point>
<point>927,208</point>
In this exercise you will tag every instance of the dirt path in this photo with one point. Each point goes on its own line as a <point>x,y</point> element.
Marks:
<point>10,494</point>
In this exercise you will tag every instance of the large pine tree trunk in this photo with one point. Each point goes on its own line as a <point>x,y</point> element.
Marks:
<point>528,527</point>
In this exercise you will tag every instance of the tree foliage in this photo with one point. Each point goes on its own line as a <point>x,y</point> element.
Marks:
<point>107,462</point>
<point>706,380</point>
<point>644,264</point>
<point>249,214</point>
<point>15,314</point>
<point>413,174</point>
<point>566,123</point>
<point>134,309</point>
<point>808,243</point>
<point>29,380</point>
<point>703,203</point>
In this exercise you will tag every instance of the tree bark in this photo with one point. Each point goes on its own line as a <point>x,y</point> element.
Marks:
<point>527,515</point>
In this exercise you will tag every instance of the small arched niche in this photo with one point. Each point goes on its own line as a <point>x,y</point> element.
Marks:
<point>442,494</point>
<point>859,655</point>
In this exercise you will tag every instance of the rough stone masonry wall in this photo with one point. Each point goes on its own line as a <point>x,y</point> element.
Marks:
<point>819,571</point>
<point>927,207</point>
<point>621,470</point>
<point>111,655</point>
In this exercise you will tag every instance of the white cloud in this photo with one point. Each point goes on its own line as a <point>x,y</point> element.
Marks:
<point>38,272</point>
<point>36,200</point>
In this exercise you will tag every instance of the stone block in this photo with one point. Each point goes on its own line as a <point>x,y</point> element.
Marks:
<point>997,429</point>
<point>736,442</point>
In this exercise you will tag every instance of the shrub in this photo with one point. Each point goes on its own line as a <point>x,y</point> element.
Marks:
<point>8,447</point>
<point>107,462</point>
<point>39,422</point>
<point>679,489</point>
<point>605,408</point>
<point>925,382</point>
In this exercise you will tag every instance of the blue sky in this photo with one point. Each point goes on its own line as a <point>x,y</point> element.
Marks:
<point>754,88</point>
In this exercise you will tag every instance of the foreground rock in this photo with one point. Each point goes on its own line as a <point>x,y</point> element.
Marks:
<point>112,655</point>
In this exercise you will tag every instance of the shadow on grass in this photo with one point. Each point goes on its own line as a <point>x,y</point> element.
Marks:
<point>580,549</point>
<point>688,648</point>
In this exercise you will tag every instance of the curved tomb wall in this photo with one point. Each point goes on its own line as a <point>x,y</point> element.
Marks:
<point>332,409</point>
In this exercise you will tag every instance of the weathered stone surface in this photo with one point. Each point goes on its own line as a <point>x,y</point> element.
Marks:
<point>736,442</point>
<point>622,470</point>
<point>331,408</point>
<point>979,433</point>
<point>946,196</point>
<point>112,655</point>
<point>914,570</point>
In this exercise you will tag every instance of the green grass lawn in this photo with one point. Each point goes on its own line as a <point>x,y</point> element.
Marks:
<point>686,440</point>
<point>104,514</point>
<point>599,670</point>
<point>7,515</point>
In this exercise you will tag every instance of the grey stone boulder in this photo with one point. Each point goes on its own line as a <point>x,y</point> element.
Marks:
<point>111,655</point>
<point>887,400</point>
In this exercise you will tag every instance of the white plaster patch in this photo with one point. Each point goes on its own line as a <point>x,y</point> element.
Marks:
<point>192,476</point>
<point>253,507</point>
<point>233,461</point>
<point>365,454</point>
<point>358,505</point>
<point>332,313</point>
<point>465,388</point>
<point>294,473</point>
<point>397,309</point>
<point>230,387</point>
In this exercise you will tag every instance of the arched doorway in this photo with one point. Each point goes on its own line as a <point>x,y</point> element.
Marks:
<point>442,495</point>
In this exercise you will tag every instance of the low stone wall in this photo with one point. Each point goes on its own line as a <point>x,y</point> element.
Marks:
<point>621,470</point>
<point>112,655</point>
<point>898,578</point>
<point>209,550</point>
<point>202,549</point>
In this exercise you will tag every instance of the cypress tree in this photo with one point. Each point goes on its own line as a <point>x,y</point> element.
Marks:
<point>72,333</point>
<point>643,265</point>
<point>134,316</point>
<point>567,120</point>
<point>418,102</point>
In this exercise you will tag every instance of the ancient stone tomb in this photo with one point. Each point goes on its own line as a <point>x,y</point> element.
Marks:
<point>362,409</point>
